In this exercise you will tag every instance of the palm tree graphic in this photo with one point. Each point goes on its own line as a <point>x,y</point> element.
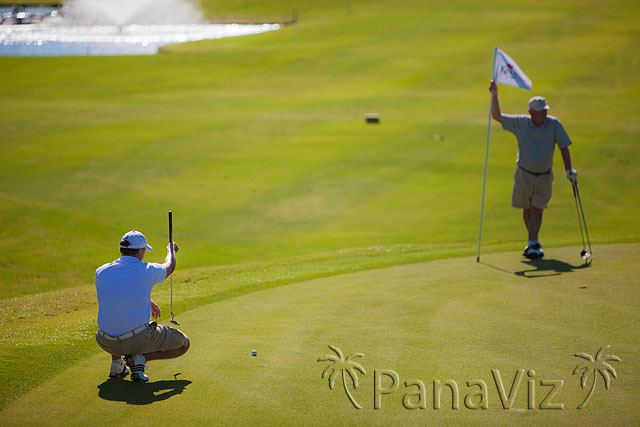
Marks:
<point>596,365</point>
<point>338,363</point>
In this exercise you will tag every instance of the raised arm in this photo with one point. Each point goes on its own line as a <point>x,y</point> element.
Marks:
<point>170,260</point>
<point>495,103</point>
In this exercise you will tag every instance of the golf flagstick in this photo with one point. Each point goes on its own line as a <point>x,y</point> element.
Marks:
<point>484,180</point>
<point>171,248</point>
<point>486,161</point>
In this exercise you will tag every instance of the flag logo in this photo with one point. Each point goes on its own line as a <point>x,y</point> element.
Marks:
<point>506,71</point>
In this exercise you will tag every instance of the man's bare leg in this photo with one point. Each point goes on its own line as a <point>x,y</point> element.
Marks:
<point>533,221</point>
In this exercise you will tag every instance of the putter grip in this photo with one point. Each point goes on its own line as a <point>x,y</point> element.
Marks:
<point>170,226</point>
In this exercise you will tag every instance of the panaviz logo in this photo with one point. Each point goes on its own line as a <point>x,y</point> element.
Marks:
<point>541,393</point>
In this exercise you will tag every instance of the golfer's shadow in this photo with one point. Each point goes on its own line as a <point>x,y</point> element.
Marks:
<point>552,267</point>
<point>134,393</point>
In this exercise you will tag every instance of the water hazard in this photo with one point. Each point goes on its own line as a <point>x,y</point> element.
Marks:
<point>110,27</point>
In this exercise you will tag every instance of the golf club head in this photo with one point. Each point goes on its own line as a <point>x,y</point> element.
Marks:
<point>174,322</point>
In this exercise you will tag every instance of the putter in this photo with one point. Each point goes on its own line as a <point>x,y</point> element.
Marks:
<point>581,221</point>
<point>171,277</point>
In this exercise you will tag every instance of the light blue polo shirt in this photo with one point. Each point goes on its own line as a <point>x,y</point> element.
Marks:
<point>124,293</point>
<point>536,143</point>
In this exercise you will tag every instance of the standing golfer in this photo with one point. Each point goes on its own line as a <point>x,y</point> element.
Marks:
<point>537,135</point>
<point>124,299</point>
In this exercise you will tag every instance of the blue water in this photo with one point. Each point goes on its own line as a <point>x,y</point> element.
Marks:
<point>63,40</point>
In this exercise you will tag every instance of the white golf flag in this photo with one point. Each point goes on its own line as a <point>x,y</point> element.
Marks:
<point>506,71</point>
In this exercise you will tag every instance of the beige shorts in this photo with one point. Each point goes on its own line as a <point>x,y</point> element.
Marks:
<point>531,190</point>
<point>154,338</point>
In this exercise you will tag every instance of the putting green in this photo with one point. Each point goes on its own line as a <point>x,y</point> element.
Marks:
<point>259,146</point>
<point>441,320</point>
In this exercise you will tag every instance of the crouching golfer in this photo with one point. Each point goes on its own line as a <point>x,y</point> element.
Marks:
<point>124,299</point>
<point>537,136</point>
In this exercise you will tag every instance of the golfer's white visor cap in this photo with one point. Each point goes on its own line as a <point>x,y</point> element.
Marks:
<point>135,240</point>
<point>538,103</point>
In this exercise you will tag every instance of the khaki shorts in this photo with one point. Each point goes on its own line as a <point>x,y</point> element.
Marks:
<point>531,190</point>
<point>154,338</point>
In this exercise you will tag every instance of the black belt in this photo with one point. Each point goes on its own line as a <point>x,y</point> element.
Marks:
<point>535,173</point>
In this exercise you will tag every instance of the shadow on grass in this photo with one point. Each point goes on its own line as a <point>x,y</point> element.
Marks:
<point>552,267</point>
<point>543,268</point>
<point>134,393</point>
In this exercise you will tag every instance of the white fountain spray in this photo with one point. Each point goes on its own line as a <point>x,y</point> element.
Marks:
<point>131,12</point>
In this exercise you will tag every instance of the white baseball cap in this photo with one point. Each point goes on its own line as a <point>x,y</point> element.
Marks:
<point>134,240</point>
<point>538,103</point>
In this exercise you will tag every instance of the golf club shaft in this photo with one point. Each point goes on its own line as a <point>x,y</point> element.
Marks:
<point>171,248</point>
<point>575,199</point>
<point>584,221</point>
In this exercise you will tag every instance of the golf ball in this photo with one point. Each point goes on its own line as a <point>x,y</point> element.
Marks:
<point>254,353</point>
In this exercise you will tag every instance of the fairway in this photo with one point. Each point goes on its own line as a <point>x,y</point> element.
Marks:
<point>440,320</point>
<point>301,226</point>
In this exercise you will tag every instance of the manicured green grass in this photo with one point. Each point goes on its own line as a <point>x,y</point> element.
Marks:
<point>441,320</point>
<point>259,147</point>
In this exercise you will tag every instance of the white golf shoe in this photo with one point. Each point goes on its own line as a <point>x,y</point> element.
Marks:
<point>136,363</point>
<point>533,251</point>
<point>119,369</point>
